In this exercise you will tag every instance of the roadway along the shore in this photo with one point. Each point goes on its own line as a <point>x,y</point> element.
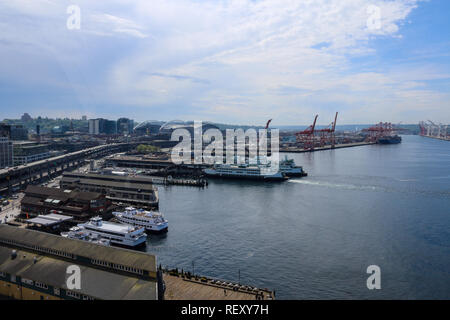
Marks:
<point>12,210</point>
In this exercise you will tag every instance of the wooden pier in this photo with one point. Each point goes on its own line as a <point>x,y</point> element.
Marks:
<point>195,182</point>
<point>183,287</point>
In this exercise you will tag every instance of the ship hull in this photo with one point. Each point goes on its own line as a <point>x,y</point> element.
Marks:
<point>295,174</point>
<point>244,177</point>
<point>148,229</point>
<point>159,231</point>
<point>142,244</point>
<point>390,140</point>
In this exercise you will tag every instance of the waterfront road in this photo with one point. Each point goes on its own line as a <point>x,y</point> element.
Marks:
<point>10,211</point>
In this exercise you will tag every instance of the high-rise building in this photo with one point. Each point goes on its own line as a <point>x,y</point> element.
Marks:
<point>124,126</point>
<point>6,153</point>
<point>14,131</point>
<point>102,126</point>
<point>26,117</point>
<point>94,126</point>
<point>110,127</point>
<point>5,130</point>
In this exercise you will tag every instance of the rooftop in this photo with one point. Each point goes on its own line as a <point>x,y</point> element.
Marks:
<point>96,283</point>
<point>31,238</point>
<point>60,194</point>
<point>49,219</point>
<point>108,183</point>
<point>113,227</point>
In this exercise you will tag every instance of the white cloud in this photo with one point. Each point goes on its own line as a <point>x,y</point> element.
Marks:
<point>239,60</point>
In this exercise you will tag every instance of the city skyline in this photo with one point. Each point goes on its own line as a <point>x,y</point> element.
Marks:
<point>229,62</point>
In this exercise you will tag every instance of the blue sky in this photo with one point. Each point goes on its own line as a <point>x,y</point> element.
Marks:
<point>232,61</point>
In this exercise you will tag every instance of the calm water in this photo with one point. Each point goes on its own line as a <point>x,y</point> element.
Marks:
<point>313,238</point>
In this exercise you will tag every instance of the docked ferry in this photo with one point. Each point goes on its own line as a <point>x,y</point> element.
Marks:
<point>152,221</point>
<point>289,169</point>
<point>245,171</point>
<point>81,234</point>
<point>116,233</point>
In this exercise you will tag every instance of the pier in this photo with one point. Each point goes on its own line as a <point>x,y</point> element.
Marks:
<point>329,147</point>
<point>183,286</point>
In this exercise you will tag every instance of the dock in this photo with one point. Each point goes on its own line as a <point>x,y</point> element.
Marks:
<point>338,146</point>
<point>195,182</point>
<point>184,287</point>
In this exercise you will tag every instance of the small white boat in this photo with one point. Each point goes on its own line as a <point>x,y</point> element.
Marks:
<point>152,221</point>
<point>115,233</point>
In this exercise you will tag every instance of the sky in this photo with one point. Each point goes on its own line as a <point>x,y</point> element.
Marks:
<point>228,61</point>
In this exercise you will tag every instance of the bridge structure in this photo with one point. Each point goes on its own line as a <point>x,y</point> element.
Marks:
<point>17,178</point>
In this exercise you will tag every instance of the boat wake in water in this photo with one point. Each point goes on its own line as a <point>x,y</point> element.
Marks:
<point>335,185</point>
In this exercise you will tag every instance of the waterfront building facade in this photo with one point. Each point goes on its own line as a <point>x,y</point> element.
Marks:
<point>6,153</point>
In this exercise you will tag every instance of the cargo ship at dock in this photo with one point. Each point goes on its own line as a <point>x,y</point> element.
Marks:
<point>390,140</point>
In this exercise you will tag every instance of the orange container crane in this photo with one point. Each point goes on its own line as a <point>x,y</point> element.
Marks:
<point>306,137</point>
<point>327,135</point>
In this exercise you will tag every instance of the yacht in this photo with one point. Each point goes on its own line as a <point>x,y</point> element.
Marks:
<point>152,221</point>
<point>117,234</point>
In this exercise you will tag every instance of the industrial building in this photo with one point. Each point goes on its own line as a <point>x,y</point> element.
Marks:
<point>6,153</point>
<point>34,266</point>
<point>79,205</point>
<point>126,189</point>
<point>27,152</point>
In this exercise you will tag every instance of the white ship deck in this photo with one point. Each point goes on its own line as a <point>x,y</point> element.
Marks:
<point>112,227</point>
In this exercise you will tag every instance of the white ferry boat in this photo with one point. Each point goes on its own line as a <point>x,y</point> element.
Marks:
<point>118,234</point>
<point>152,221</point>
<point>245,171</point>
<point>80,234</point>
<point>289,169</point>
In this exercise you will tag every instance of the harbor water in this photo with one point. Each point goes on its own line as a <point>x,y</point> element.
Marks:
<point>314,237</point>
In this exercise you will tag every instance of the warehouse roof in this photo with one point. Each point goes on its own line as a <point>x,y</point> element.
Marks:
<point>49,219</point>
<point>114,184</point>
<point>125,257</point>
<point>60,194</point>
<point>96,283</point>
<point>109,177</point>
